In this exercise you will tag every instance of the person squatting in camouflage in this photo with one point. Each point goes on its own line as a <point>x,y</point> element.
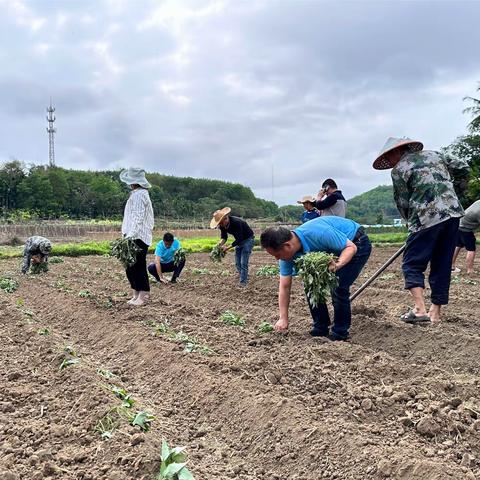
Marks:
<point>36,250</point>
<point>425,188</point>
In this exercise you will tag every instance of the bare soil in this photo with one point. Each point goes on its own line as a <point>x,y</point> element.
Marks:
<point>397,401</point>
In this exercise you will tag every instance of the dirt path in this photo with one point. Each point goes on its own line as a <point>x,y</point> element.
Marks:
<point>396,402</point>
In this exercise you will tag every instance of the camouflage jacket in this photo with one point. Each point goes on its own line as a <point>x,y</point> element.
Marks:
<point>424,188</point>
<point>35,245</point>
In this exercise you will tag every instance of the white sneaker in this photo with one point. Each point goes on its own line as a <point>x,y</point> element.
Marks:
<point>456,270</point>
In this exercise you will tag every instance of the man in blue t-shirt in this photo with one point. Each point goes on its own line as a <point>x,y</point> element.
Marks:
<point>164,254</point>
<point>340,236</point>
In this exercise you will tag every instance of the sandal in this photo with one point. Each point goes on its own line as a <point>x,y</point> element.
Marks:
<point>411,317</point>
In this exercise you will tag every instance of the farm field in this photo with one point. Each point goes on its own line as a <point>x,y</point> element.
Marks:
<point>397,401</point>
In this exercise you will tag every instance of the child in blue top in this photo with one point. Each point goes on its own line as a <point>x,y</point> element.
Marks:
<point>164,253</point>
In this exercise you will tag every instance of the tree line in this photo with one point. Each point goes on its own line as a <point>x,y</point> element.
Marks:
<point>54,192</point>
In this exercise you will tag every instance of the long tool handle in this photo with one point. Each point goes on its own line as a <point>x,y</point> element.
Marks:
<point>377,273</point>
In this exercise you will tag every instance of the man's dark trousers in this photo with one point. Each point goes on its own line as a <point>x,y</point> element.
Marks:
<point>435,245</point>
<point>341,295</point>
<point>167,267</point>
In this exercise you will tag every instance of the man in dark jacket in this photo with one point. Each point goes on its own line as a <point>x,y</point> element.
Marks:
<point>36,251</point>
<point>330,200</point>
<point>244,239</point>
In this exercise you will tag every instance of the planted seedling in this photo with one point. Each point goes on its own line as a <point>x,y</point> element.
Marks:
<point>85,294</point>
<point>173,466</point>
<point>268,271</point>
<point>124,396</point>
<point>56,260</point>
<point>67,362</point>
<point>217,254</point>
<point>20,302</point>
<point>126,250</point>
<point>44,331</point>
<point>231,318</point>
<point>201,271</point>
<point>8,285</point>
<point>265,327</point>
<point>318,280</point>
<point>105,373</point>
<point>143,420</point>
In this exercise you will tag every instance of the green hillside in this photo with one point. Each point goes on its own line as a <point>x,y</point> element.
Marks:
<point>374,206</point>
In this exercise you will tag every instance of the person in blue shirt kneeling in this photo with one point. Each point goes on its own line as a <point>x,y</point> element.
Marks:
<point>164,253</point>
<point>340,236</point>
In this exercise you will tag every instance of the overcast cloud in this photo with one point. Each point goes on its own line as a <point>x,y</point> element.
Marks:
<point>232,89</point>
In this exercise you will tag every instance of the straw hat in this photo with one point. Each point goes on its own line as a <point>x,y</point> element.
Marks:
<point>134,176</point>
<point>384,160</point>
<point>218,216</point>
<point>307,198</point>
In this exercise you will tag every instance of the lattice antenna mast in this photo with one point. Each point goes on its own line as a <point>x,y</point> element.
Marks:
<point>51,135</point>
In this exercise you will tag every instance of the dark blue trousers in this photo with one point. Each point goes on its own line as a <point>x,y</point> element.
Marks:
<point>342,314</point>
<point>434,245</point>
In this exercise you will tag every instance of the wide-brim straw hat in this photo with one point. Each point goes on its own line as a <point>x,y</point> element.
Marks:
<point>218,216</point>
<point>384,160</point>
<point>134,176</point>
<point>307,198</point>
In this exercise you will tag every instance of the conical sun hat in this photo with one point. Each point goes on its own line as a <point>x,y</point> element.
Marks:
<point>218,216</point>
<point>134,175</point>
<point>384,160</point>
<point>307,198</point>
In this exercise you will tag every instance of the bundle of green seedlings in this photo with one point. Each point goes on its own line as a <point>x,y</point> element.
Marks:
<point>318,280</point>
<point>179,256</point>
<point>217,254</point>
<point>125,249</point>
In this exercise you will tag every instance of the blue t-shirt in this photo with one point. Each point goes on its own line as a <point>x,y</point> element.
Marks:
<point>309,215</point>
<point>323,234</point>
<point>166,254</point>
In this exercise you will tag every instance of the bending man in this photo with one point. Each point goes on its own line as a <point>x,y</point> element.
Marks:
<point>36,250</point>
<point>340,236</point>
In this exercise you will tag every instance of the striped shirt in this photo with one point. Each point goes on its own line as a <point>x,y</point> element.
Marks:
<point>138,216</point>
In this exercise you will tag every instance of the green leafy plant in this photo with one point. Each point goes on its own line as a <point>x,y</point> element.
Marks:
<point>318,280</point>
<point>85,294</point>
<point>173,466</point>
<point>56,260</point>
<point>268,271</point>
<point>67,362</point>
<point>217,254</point>
<point>44,331</point>
<point>179,256</point>
<point>265,327</point>
<point>20,302</point>
<point>126,250</point>
<point>124,396</point>
<point>201,271</point>
<point>8,285</point>
<point>143,420</point>
<point>105,373</point>
<point>231,318</point>
<point>38,268</point>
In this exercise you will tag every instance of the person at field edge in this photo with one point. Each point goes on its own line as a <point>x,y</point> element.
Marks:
<point>138,225</point>
<point>466,236</point>
<point>340,236</point>
<point>310,212</point>
<point>330,200</point>
<point>36,250</point>
<point>424,184</point>
<point>244,239</point>
<point>164,259</point>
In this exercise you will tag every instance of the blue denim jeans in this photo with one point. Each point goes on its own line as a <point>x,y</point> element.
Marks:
<point>242,256</point>
<point>341,295</point>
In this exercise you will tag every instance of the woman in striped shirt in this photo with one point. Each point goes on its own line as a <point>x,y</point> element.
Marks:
<point>138,225</point>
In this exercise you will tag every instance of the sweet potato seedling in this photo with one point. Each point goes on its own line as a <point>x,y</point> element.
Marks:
<point>143,420</point>
<point>265,327</point>
<point>67,362</point>
<point>44,331</point>
<point>173,466</point>
<point>268,271</point>
<point>231,318</point>
<point>85,294</point>
<point>38,268</point>
<point>125,249</point>
<point>8,285</point>
<point>201,271</point>
<point>105,373</point>
<point>217,254</point>
<point>179,256</point>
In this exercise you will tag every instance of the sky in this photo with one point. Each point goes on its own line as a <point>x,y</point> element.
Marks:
<point>275,94</point>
